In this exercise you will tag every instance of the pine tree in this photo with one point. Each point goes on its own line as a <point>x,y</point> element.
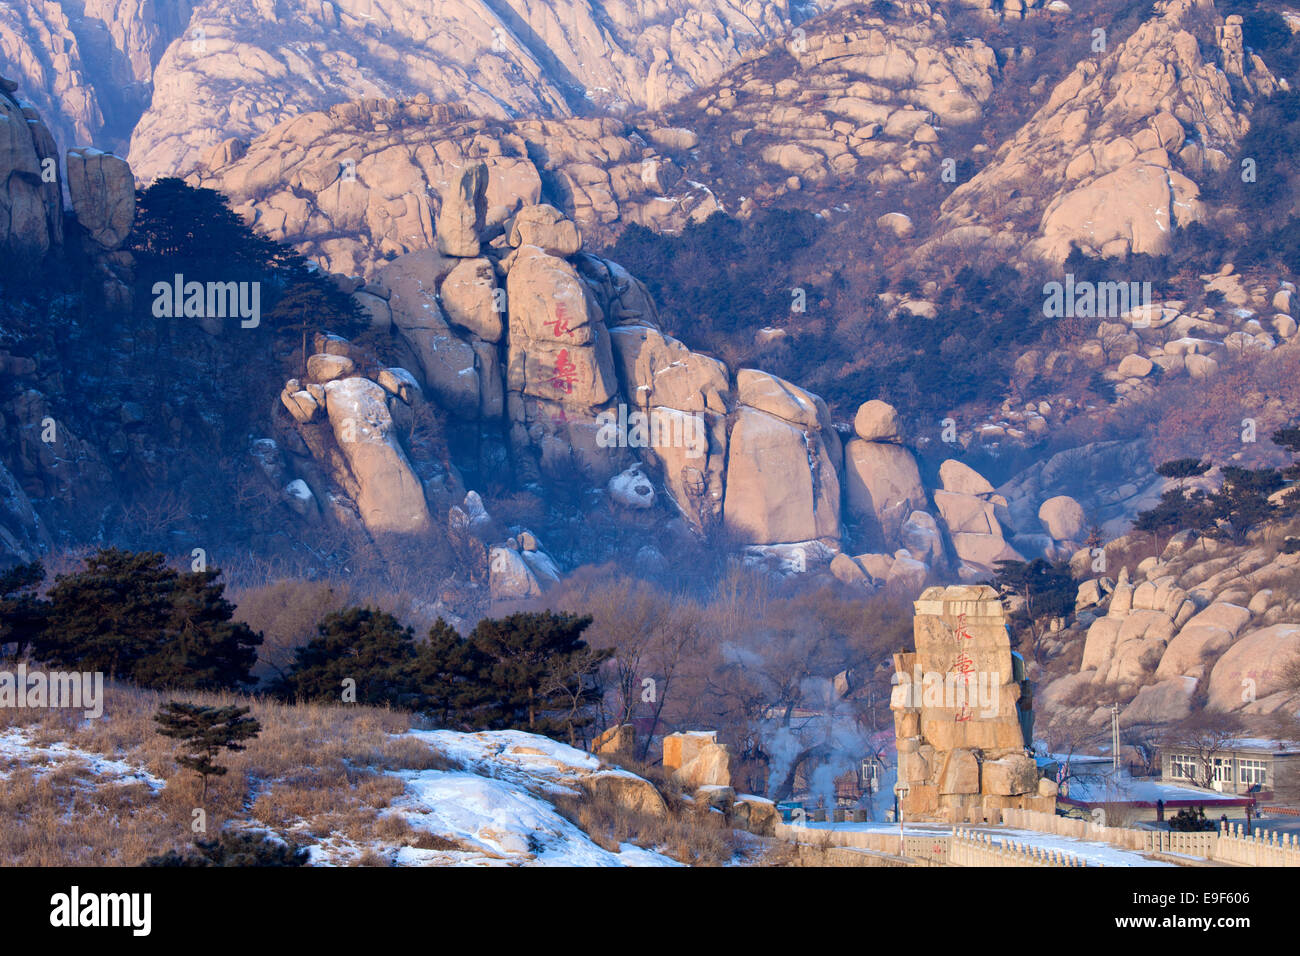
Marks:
<point>23,615</point>
<point>1177,511</point>
<point>1289,438</point>
<point>526,651</point>
<point>1243,500</point>
<point>130,615</point>
<point>312,303</point>
<point>193,231</point>
<point>453,676</point>
<point>203,648</point>
<point>181,229</point>
<point>205,732</point>
<point>109,616</point>
<point>1047,591</point>
<point>363,645</point>
<point>1181,469</point>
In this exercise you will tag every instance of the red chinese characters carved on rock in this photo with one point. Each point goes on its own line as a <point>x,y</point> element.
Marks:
<point>963,666</point>
<point>566,373</point>
<point>560,324</point>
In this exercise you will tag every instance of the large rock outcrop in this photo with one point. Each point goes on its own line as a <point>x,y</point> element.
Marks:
<point>362,180</point>
<point>560,367</point>
<point>567,346</point>
<point>783,464</point>
<point>448,365</point>
<point>103,198</point>
<point>387,493</point>
<point>1125,647</point>
<point>1204,623</point>
<point>31,199</point>
<point>1254,668</point>
<point>1090,476</point>
<point>882,483</point>
<point>968,509</point>
<point>683,397</point>
<point>22,533</point>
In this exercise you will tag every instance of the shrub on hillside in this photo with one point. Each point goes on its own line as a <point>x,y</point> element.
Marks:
<point>287,613</point>
<point>235,849</point>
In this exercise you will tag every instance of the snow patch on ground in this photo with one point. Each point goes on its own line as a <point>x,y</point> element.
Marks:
<point>16,746</point>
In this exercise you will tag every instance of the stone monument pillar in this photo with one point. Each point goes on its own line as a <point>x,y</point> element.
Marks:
<point>959,705</point>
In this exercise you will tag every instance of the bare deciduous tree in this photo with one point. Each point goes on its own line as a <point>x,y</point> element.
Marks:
<point>1204,736</point>
<point>1068,737</point>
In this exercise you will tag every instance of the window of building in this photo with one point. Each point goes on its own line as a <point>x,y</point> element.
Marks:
<point>1181,765</point>
<point>1253,771</point>
<point>1222,770</point>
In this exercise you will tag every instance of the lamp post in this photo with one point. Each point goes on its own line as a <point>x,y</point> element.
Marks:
<point>901,791</point>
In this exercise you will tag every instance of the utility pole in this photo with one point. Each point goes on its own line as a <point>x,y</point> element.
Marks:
<point>1114,736</point>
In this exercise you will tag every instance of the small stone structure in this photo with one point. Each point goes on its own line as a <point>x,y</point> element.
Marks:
<point>696,759</point>
<point>962,713</point>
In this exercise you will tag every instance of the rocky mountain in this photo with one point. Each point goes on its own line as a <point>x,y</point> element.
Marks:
<point>193,74</point>
<point>893,100</point>
<point>88,66</point>
<point>517,401</point>
<point>1111,162</point>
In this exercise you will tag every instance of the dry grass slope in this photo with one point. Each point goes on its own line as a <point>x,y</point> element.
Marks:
<point>318,774</point>
<point>313,769</point>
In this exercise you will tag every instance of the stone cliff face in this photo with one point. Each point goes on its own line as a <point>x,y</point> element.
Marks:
<point>560,350</point>
<point>190,74</point>
<point>511,329</point>
<point>88,66</point>
<point>50,477</point>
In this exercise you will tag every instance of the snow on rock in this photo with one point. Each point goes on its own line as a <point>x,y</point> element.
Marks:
<point>503,819</point>
<point>496,806</point>
<point>514,755</point>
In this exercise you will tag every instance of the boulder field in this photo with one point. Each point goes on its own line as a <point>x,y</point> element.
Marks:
<point>511,326</point>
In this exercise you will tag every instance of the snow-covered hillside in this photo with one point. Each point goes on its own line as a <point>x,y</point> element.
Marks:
<point>495,809</point>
